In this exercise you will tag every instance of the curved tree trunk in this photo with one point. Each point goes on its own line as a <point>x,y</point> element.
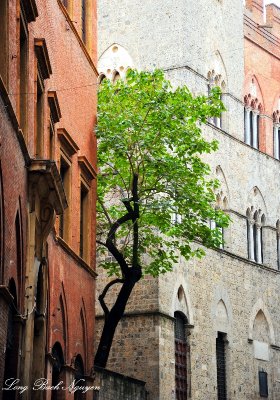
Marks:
<point>113,318</point>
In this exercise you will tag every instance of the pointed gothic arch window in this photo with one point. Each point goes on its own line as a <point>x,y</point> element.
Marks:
<point>253,108</point>
<point>255,222</point>
<point>215,79</point>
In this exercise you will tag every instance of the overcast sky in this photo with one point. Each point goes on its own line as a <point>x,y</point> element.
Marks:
<point>277,2</point>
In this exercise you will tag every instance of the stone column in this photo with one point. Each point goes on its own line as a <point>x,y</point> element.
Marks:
<point>247,125</point>
<point>251,240</point>
<point>255,130</point>
<point>259,244</point>
<point>276,141</point>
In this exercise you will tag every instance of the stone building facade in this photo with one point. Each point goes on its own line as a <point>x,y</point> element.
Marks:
<point>47,193</point>
<point>211,328</point>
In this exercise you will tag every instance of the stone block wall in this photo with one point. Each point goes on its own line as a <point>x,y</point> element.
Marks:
<point>114,386</point>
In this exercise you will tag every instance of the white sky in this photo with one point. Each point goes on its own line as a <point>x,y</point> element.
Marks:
<point>277,2</point>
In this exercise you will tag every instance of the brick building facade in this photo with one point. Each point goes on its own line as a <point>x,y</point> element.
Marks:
<point>211,328</point>
<point>47,193</point>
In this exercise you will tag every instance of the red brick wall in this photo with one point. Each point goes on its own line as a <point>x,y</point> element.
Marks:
<point>74,80</point>
<point>262,60</point>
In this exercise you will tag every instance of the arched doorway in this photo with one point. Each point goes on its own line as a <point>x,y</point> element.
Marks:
<point>57,354</point>
<point>79,376</point>
<point>12,343</point>
<point>39,338</point>
<point>181,356</point>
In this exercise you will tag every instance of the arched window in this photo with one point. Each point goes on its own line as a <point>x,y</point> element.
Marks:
<point>79,374</point>
<point>252,110</point>
<point>181,356</point>
<point>116,77</point>
<point>57,354</point>
<point>215,79</point>
<point>101,78</point>
<point>255,222</point>
<point>12,343</point>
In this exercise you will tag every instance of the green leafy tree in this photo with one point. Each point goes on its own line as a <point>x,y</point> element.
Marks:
<point>155,196</point>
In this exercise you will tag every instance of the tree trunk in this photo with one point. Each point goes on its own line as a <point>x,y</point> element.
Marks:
<point>113,318</point>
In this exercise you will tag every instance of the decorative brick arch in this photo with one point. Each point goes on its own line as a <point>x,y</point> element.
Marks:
<point>260,306</point>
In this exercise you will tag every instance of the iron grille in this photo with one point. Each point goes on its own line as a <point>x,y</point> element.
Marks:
<point>221,367</point>
<point>181,350</point>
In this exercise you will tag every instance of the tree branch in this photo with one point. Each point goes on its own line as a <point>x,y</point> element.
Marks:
<point>103,294</point>
<point>105,211</point>
<point>111,246</point>
<point>101,243</point>
<point>135,223</point>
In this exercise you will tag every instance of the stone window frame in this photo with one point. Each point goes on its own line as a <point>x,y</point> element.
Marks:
<point>215,79</point>
<point>87,175</point>
<point>255,223</point>
<point>42,72</point>
<point>54,117</point>
<point>68,148</point>
<point>253,109</point>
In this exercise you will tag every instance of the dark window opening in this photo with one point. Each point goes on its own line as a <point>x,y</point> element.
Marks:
<point>39,118</point>
<point>278,249</point>
<point>12,344</point>
<point>251,129</point>
<point>277,154</point>
<point>83,220</point>
<point>65,177</point>
<point>255,241</point>
<point>84,22</point>
<point>221,366</point>
<point>248,238</point>
<point>19,254</point>
<point>51,140</point>
<point>263,384</point>
<point>258,131</point>
<point>79,376</point>
<point>1,227</point>
<point>181,352</point>
<point>57,354</point>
